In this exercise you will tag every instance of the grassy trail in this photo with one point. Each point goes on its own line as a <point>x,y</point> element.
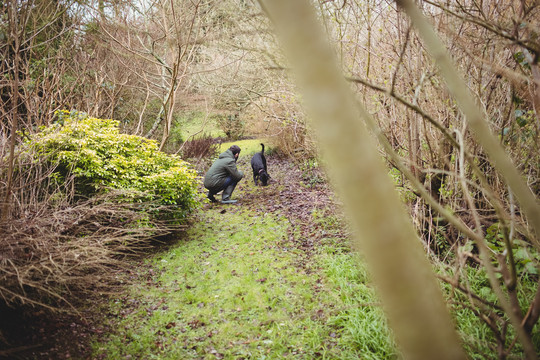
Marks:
<point>268,278</point>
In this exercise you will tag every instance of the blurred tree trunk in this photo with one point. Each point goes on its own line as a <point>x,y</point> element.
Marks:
<point>411,296</point>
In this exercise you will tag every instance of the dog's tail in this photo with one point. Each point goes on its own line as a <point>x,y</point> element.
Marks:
<point>262,152</point>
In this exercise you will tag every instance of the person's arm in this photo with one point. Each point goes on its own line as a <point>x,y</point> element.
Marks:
<point>232,169</point>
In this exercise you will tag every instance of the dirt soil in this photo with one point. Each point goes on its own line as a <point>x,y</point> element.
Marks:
<point>33,333</point>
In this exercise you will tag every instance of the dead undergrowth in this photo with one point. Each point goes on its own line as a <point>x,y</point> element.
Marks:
<point>51,254</point>
<point>55,259</point>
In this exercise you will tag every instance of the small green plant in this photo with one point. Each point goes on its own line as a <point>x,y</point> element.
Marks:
<point>176,137</point>
<point>311,172</point>
<point>526,257</point>
<point>100,157</point>
<point>480,330</point>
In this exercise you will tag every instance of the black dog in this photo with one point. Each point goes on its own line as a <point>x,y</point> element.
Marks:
<point>258,164</point>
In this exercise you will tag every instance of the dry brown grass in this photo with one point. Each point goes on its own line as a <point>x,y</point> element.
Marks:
<point>52,254</point>
<point>200,148</point>
<point>56,248</point>
<point>290,139</point>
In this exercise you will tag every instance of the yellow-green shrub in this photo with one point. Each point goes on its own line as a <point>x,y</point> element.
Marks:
<point>101,158</point>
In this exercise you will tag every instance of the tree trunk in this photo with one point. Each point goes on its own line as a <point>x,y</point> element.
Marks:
<point>402,273</point>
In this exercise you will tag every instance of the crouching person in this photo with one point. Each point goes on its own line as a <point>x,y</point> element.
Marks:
<point>223,175</point>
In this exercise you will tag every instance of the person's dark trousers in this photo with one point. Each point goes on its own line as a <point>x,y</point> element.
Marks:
<point>227,187</point>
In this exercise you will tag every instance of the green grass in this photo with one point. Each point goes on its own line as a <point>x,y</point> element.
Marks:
<point>191,123</point>
<point>477,338</point>
<point>365,330</point>
<point>234,289</point>
<point>249,147</point>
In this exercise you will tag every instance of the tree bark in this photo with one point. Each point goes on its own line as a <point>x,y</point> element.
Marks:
<point>411,296</point>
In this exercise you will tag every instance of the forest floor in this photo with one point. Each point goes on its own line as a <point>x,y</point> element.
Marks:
<point>271,276</point>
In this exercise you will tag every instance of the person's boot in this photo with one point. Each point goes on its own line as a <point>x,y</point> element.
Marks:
<point>211,197</point>
<point>226,197</point>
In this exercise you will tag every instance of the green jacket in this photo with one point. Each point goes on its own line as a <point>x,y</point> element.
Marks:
<point>220,170</point>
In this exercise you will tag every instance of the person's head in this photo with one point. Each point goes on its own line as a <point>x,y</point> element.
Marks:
<point>235,150</point>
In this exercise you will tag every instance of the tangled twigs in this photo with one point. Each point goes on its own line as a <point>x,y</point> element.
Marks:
<point>52,253</point>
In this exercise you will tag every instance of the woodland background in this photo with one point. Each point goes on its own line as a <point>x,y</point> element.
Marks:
<point>152,65</point>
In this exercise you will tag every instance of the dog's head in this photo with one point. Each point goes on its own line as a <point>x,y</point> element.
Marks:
<point>263,176</point>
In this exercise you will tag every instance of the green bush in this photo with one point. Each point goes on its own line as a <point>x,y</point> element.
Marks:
<point>100,158</point>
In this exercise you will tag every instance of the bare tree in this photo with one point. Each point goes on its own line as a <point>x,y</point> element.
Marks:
<point>446,162</point>
<point>158,48</point>
<point>35,75</point>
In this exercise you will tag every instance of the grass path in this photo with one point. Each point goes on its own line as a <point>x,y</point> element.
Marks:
<point>267,278</point>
